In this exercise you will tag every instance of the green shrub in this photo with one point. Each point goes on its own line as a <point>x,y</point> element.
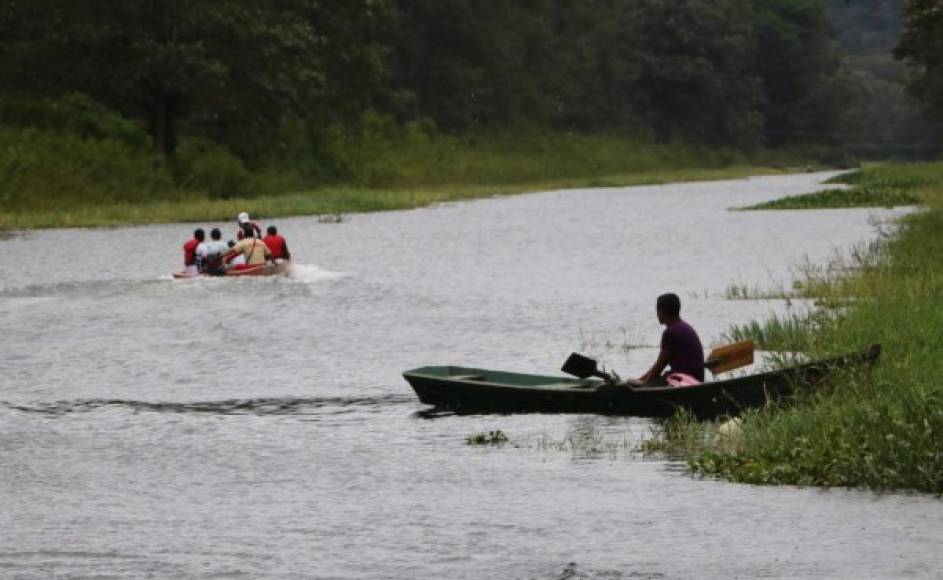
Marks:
<point>44,169</point>
<point>201,165</point>
<point>73,113</point>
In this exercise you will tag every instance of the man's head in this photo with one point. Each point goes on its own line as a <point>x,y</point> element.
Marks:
<point>247,230</point>
<point>199,234</point>
<point>243,218</point>
<point>271,230</point>
<point>216,234</point>
<point>668,307</point>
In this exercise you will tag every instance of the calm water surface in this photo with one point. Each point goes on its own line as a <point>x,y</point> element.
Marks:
<point>261,429</point>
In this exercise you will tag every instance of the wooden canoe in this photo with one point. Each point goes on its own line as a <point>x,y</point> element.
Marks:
<point>471,390</point>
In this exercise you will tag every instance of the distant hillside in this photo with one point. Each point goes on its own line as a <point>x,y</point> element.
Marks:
<point>881,119</point>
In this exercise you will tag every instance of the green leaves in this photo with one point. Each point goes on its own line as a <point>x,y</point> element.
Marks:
<point>921,46</point>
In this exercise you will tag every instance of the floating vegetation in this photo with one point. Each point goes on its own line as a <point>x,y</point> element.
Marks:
<point>876,186</point>
<point>746,292</point>
<point>841,198</point>
<point>597,344</point>
<point>584,441</point>
<point>332,218</point>
<point>490,438</point>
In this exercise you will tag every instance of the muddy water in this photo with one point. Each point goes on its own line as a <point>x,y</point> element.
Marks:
<point>261,429</point>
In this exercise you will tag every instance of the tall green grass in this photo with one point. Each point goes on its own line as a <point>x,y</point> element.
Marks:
<point>72,162</point>
<point>881,429</point>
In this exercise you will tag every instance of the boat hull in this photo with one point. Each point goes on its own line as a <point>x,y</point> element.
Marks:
<point>470,390</point>
<point>278,268</point>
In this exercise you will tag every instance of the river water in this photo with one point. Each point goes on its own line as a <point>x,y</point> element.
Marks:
<point>260,428</point>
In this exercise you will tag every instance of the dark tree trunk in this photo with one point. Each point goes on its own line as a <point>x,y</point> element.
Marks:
<point>163,126</point>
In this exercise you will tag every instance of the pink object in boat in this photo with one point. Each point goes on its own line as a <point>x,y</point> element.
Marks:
<point>681,380</point>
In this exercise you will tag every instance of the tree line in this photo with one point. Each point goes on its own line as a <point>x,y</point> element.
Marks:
<point>740,73</point>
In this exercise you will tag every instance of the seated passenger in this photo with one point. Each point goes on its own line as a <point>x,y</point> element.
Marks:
<point>276,244</point>
<point>190,259</point>
<point>238,259</point>
<point>680,346</point>
<point>211,253</point>
<point>254,250</point>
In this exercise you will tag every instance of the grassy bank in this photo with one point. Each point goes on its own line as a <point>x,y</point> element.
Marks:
<point>879,186</point>
<point>882,429</point>
<point>72,162</point>
<point>328,200</point>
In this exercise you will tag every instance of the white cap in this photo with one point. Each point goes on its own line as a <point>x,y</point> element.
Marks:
<point>243,218</point>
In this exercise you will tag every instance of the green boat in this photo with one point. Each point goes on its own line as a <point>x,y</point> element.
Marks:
<point>472,390</point>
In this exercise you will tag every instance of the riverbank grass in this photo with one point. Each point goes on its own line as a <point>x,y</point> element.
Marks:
<point>53,178</point>
<point>330,200</point>
<point>881,185</point>
<point>883,428</point>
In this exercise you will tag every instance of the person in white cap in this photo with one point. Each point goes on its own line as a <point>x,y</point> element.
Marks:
<point>243,218</point>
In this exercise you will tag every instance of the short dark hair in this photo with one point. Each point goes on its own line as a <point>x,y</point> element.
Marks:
<point>216,234</point>
<point>272,230</point>
<point>199,234</point>
<point>670,304</point>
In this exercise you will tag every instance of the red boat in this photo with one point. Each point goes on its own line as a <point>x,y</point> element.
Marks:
<point>277,268</point>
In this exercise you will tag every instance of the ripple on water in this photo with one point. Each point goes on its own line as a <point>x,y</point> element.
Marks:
<point>261,428</point>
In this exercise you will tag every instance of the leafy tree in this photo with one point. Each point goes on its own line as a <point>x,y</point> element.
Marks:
<point>697,76</point>
<point>922,48</point>
<point>215,63</point>
<point>800,67</point>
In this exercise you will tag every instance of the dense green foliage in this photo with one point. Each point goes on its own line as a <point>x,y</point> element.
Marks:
<point>881,429</point>
<point>167,99</point>
<point>399,168</point>
<point>922,47</point>
<point>734,72</point>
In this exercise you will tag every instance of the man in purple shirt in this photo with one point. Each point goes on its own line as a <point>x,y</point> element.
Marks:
<point>680,347</point>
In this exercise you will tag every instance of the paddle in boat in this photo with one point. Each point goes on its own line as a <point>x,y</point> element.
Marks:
<point>472,390</point>
<point>277,268</point>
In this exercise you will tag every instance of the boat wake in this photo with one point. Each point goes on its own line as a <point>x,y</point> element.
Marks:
<point>262,406</point>
<point>311,273</point>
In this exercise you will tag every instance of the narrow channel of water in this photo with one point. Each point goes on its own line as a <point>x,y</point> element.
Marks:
<point>260,428</point>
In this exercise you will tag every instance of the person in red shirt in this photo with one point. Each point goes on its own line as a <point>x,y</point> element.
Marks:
<point>276,244</point>
<point>190,265</point>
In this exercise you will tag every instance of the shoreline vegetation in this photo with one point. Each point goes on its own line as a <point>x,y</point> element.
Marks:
<point>74,163</point>
<point>333,201</point>
<point>881,186</point>
<point>881,429</point>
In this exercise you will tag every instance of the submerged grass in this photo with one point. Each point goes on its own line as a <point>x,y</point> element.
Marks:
<point>881,429</point>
